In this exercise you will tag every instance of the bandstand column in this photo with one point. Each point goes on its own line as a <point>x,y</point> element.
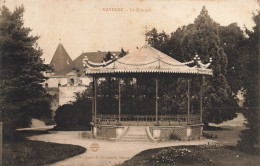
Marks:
<point>95,104</point>
<point>188,120</point>
<point>201,96</point>
<point>156,100</point>
<point>93,99</point>
<point>119,100</point>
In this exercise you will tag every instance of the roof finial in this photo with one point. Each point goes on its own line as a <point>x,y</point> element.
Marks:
<point>60,40</point>
<point>146,37</point>
<point>145,33</point>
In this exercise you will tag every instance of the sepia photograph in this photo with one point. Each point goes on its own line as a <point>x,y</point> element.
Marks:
<point>129,83</point>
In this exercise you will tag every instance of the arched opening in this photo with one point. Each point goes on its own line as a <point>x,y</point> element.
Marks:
<point>72,81</point>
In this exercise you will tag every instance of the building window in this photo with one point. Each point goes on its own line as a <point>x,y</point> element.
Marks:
<point>46,85</point>
<point>58,84</point>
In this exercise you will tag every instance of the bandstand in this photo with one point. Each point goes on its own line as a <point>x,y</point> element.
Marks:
<point>149,62</point>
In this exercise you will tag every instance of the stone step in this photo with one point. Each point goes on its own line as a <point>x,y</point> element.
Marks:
<point>134,140</point>
<point>133,134</point>
<point>136,128</point>
<point>137,132</point>
<point>135,137</point>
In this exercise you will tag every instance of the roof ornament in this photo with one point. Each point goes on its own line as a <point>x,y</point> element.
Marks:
<point>88,64</point>
<point>199,64</point>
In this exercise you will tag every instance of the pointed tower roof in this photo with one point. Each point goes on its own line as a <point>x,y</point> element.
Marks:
<point>60,58</point>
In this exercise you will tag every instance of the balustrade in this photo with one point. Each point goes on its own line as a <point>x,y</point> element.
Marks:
<point>178,119</point>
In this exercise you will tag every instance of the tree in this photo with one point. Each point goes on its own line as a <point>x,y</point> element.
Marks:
<point>157,40</point>
<point>174,45</point>
<point>250,137</point>
<point>232,40</point>
<point>21,73</point>
<point>205,41</point>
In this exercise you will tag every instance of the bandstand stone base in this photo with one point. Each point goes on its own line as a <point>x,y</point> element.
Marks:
<point>166,133</point>
<point>108,132</point>
<point>155,133</point>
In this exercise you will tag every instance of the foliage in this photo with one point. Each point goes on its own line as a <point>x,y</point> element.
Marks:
<point>106,92</point>
<point>174,137</point>
<point>232,40</point>
<point>177,156</point>
<point>157,40</point>
<point>202,155</point>
<point>21,73</point>
<point>34,153</point>
<point>250,137</point>
<point>209,135</point>
<point>82,106</point>
<point>75,116</point>
<point>65,117</point>
<point>109,56</point>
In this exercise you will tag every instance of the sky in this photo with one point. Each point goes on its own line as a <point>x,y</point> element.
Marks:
<point>109,25</point>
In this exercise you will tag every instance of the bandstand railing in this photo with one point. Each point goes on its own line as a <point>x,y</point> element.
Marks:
<point>148,119</point>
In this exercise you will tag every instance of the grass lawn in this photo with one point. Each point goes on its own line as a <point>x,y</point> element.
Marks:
<point>226,135</point>
<point>201,155</point>
<point>34,153</point>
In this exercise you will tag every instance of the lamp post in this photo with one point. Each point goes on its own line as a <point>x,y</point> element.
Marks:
<point>119,100</point>
<point>156,101</point>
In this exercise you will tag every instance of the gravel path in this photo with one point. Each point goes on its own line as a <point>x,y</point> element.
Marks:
<point>108,153</point>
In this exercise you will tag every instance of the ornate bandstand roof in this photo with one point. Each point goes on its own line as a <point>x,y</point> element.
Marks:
<point>146,60</point>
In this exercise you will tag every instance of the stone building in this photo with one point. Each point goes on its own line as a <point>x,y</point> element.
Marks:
<point>67,76</point>
<point>74,85</point>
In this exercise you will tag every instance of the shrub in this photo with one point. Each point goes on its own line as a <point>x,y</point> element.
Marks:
<point>173,136</point>
<point>65,117</point>
<point>209,135</point>
<point>75,116</point>
<point>86,134</point>
<point>178,156</point>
